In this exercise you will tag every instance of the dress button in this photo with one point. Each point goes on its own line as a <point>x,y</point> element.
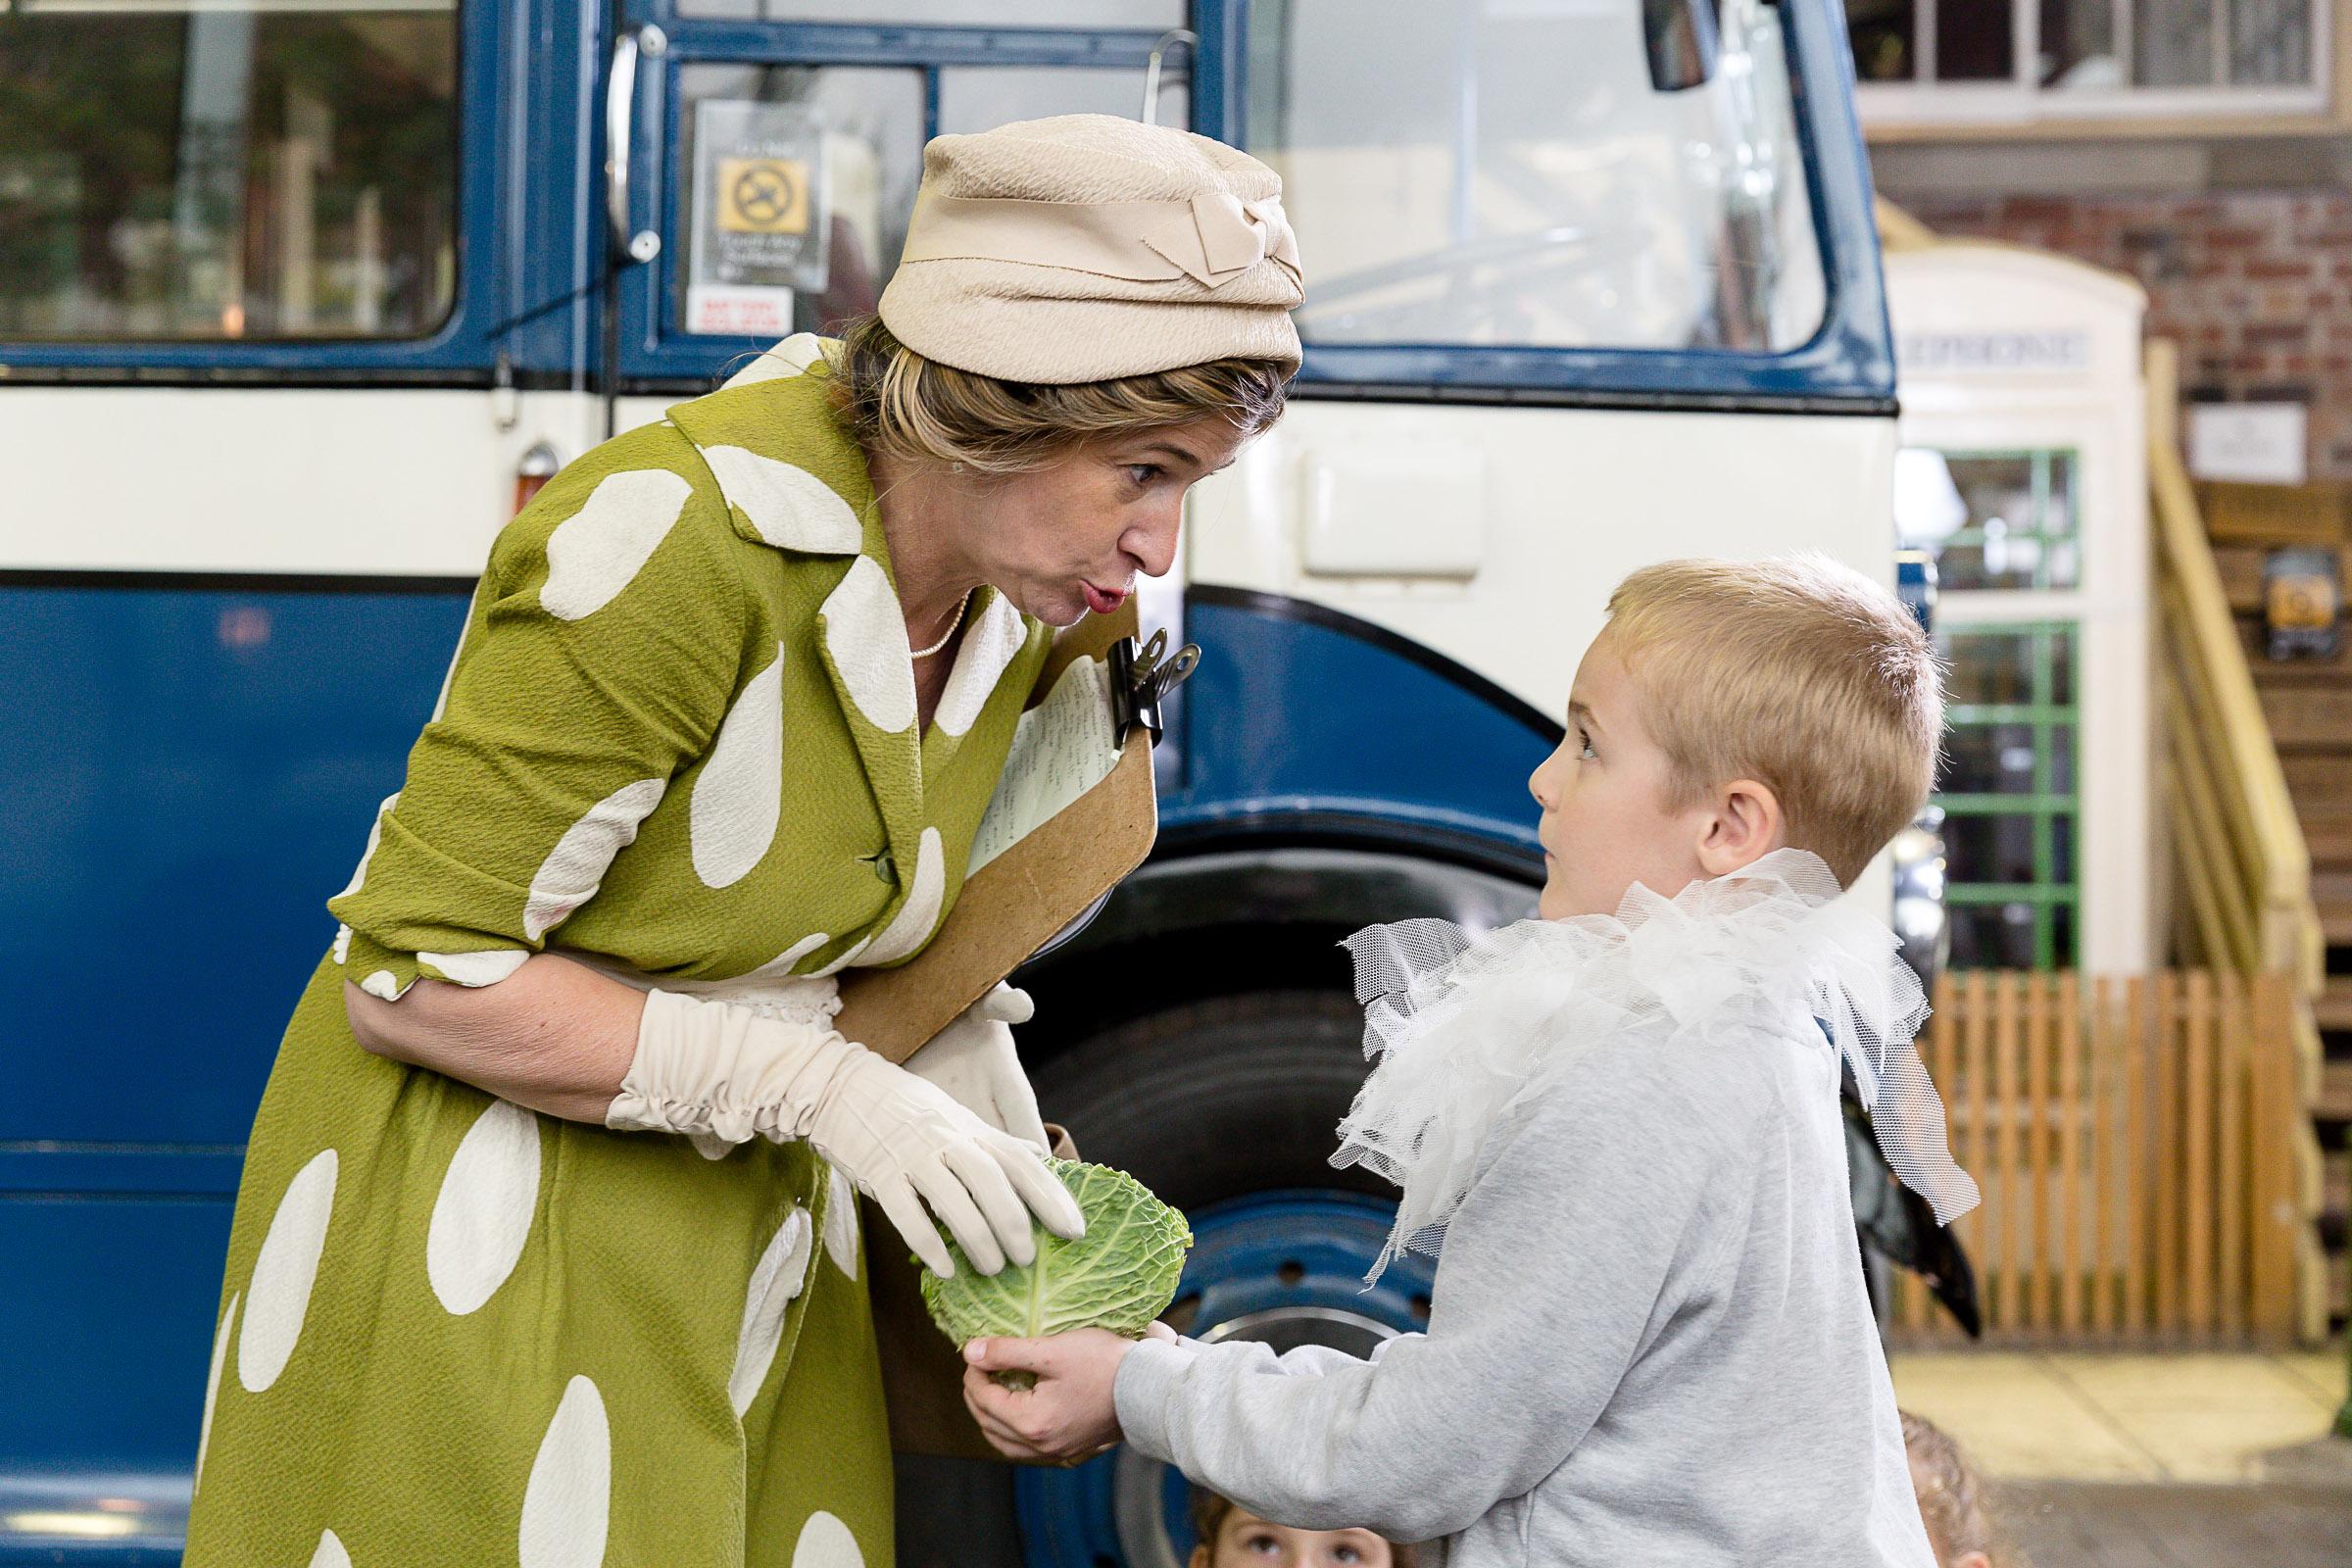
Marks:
<point>884,867</point>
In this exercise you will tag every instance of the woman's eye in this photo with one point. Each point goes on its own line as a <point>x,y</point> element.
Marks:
<point>1143,473</point>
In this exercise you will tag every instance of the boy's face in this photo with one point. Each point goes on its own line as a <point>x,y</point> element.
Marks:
<point>1245,1541</point>
<point>1605,824</point>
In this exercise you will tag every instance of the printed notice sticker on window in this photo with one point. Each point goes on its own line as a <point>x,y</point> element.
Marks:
<point>759,227</point>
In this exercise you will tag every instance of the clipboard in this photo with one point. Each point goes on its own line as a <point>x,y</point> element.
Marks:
<point>1052,876</point>
<point>1014,906</point>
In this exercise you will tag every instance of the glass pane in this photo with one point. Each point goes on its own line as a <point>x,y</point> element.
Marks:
<point>871,123</point>
<point>1991,850</point>
<point>1998,759</point>
<point>1991,520</point>
<point>212,171</point>
<point>1987,667</point>
<point>1156,15</point>
<point>1995,936</point>
<point>2174,39</point>
<point>2270,43</point>
<point>1882,35</point>
<point>1976,40</point>
<point>2078,45</point>
<point>1467,173</point>
<point>2009,665</point>
<point>982,97</point>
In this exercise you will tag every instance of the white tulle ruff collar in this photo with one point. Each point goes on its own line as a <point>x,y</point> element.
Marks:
<point>1458,1025</point>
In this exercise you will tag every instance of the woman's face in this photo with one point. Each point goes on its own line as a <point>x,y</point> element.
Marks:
<point>1062,540</point>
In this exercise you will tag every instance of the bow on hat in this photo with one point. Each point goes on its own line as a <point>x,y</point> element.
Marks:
<point>1211,238</point>
<point>1217,236</point>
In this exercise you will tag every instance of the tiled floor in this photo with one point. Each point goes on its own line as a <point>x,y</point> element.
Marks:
<point>2169,1461</point>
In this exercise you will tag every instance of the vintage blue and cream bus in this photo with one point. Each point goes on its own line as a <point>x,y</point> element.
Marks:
<point>300,299</point>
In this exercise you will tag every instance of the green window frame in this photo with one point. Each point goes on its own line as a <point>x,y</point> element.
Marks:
<point>2047,897</point>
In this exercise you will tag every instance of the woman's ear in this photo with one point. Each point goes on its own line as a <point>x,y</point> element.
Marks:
<point>1744,826</point>
<point>1972,1560</point>
<point>1201,1555</point>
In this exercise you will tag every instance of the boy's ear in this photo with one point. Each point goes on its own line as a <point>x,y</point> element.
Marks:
<point>1744,826</point>
<point>1201,1555</point>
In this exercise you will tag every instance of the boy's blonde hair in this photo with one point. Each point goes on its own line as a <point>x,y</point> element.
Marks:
<point>1798,672</point>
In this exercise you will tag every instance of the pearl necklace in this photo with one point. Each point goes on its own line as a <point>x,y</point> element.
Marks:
<point>926,653</point>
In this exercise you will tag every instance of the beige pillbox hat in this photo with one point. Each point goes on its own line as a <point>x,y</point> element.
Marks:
<point>1087,247</point>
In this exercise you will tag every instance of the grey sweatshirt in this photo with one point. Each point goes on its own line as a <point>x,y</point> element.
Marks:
<point>1650,1343</point>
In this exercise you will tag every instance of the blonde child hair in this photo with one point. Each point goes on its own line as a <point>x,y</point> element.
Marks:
<point>1953,1499</point>
<point>1798,672</point>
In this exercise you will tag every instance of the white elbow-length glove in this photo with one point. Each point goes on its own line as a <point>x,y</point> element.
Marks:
<point>726,1071</point>
<point>974,1059</point>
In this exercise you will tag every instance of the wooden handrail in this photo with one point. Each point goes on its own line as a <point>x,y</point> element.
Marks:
<point>2213,687</point>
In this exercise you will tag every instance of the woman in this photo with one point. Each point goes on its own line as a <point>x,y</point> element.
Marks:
<point>546,1247</point>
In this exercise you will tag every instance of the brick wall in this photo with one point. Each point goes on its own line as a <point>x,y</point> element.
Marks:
<point>2256,286</point>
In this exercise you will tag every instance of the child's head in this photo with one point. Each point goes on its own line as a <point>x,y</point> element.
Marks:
<point>1232,1537</point>
<point>1730,709</point>
<point>1951,1498</point>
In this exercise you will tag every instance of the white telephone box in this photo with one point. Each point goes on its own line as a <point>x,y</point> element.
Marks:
<point>2023,472</point>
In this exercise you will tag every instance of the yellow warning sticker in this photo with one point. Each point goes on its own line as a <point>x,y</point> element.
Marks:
<point>762,196</point>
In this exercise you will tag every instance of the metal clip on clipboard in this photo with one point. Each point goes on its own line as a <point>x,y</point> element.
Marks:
<point>1141,677</point>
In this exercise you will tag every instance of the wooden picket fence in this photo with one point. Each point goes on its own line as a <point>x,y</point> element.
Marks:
<point>2134,1141</point>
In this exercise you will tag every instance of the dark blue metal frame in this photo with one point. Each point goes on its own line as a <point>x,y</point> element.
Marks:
<point>525,70</point>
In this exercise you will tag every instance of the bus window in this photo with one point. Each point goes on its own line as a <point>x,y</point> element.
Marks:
<point>871,121</point>
<point>1158,13</point>
<point>218,172</point>
<point>1526,174</point>
<point>984,97</point>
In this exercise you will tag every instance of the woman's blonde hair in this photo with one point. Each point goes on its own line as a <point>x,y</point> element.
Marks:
<point>904,406</point>
<point>1951,1495</point>
<point>1798,672</point>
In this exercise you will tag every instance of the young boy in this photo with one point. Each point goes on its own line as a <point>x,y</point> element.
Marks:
<point>1651,1341</point>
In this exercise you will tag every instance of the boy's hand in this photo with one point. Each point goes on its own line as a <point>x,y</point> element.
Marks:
<point>1068,1416</point>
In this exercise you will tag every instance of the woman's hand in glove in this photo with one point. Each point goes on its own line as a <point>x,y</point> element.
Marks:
<point>908,1145</point>
<point>974,1059</point>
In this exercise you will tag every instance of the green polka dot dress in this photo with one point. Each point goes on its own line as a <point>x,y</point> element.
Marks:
<point>678,742</point>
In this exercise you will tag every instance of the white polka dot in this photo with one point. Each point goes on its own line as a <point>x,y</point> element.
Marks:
<point>330,1552</point>
<point>990,646</point>
<point>483,1214</point>
<point>568,1500</point>
<point>737,797</point>
<point>865,634</point>
<point>486,967</point>
<point>916,918</point>
<point>841,1224</point>
<point>784,361</point>
<point>597,551</point>
<point>287,1266</point>
<point>826,1542</point>
<point>376,832</point>
<point>575,867</point>
<point>850,956</point>
<point>342,943</point>
<point>212,1385</point>
<point>775,1280</point>
<point>383,983</point>
<point>789,507</point>
<point>781,965</point>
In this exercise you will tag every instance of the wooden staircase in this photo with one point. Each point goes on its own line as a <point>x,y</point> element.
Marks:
<point>2308,704</point>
